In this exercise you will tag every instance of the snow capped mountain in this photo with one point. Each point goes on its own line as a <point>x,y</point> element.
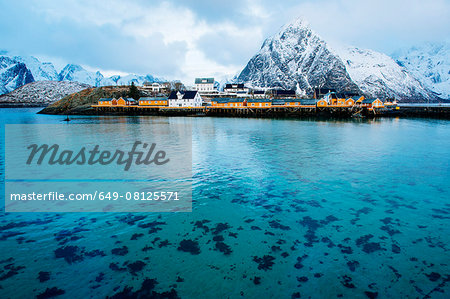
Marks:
<point>378,75</point>
<point>13,74</point>
<point>74,72</point>
<point>296,57</point>
<point>16,71</point>
<point>42,71</point>
<point>41,92</point>
<point>138,80</point>
<point>430,63</point>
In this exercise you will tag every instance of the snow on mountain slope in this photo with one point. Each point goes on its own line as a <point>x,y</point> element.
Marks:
<point>297,58</point>
<point>378,75</point>
<point>74,72</point>
<point>41,92</point>
<point>16,71</point>
<point>430,63</point>
<point>41,71</point>
<point>13,74</point>
<point>137,79</point>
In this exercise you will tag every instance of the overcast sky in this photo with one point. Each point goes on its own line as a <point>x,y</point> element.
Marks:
<point>182,39</point>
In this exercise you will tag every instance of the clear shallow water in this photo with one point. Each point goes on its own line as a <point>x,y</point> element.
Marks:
<point>281,208</point>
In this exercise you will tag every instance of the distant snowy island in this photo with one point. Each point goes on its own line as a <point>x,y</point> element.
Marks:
<point>16,71</point>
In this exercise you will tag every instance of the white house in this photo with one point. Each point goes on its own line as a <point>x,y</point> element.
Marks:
<point>157,87</point>
<point>259,94</point>
<point>235,89</point>
<point>204,85</point>
<point>185,99</point>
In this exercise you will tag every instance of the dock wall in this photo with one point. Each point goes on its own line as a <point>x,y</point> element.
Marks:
<point>282,112</point>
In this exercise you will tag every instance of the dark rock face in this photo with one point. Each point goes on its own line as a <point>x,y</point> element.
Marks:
<point>297,56</point>
<point>13,74</point>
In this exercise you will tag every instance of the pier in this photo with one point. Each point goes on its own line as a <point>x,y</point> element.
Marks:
<point>401,110</point>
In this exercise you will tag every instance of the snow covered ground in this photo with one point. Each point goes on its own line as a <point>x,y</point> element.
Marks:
<point>430,63</point>
<point>42,92</point>
<point>377,74</point>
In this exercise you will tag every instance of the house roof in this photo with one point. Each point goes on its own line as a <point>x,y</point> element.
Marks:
<point>301,101</point>
<point>239,85</point>
<point>152,99</point>
<point>228,100</point>
<point>356,98</point>
<point>173,95</point>
<point>105,99</point>
<point>204,80</point>
<point>131,100</point>
<point>187,95</point>
<point>278,102</point>
<point>282,92</point>
<point>368,101</point>
<point>259,100</point>
<point>308,101</point>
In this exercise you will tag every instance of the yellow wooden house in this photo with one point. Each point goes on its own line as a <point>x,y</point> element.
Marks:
<point>372,103</point>
<point>106,101</point>
<point>121,102</point>
<point>292,103</point>
<point>124,102</point>
<point>153,102</point>
<point>259,103</point>
<point>340,102</point>
<point>322,103</point>
<point>331,98</point>
<point>229,102</point>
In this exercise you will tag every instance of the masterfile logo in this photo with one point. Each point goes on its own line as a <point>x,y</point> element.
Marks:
<point>53,156</point>
<point>98,168</point>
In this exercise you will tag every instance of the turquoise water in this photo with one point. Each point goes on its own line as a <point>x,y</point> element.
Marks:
<point>281,208</point>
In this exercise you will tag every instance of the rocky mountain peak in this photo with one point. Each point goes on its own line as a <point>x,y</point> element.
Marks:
<point>296,57</point>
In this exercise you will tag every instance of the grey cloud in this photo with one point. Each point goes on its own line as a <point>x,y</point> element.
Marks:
<point>104,47</point>
<point>383,26</point>
<point>228,49</point>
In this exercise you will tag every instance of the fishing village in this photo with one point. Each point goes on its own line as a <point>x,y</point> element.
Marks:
<point>237,100</point>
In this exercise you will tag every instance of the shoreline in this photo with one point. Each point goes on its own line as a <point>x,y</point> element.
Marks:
<point>22,105</point>
<point>406,111</point>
